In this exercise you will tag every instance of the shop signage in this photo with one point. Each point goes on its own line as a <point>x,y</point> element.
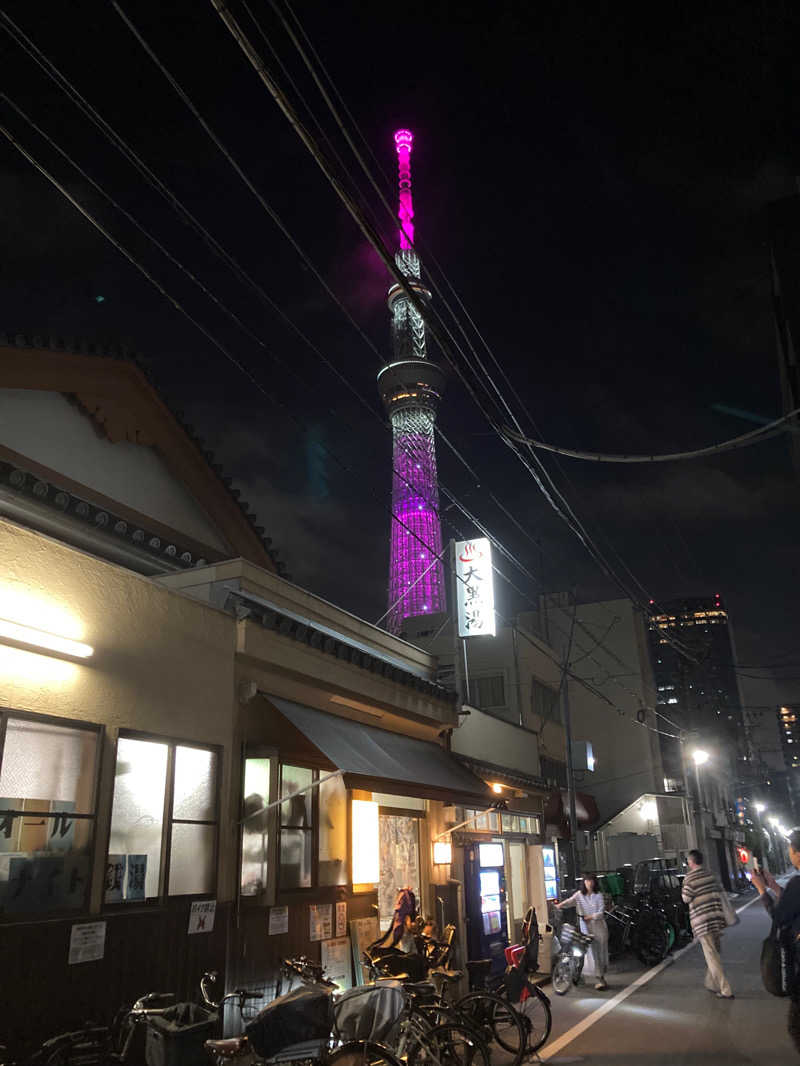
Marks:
<point>87,942</point>
<point>475,588</point>
<point>320,921</point>
<point>278,920</point>
<point>341,920</point>
<point>201,916</point>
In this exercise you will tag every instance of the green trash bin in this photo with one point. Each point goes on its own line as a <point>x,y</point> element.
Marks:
<point>176,1037</point>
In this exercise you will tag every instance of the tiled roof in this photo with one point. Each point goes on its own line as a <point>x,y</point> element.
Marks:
<point>124,354</point>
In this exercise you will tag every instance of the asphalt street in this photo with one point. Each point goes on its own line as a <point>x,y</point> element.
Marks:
<point>666,1018</point>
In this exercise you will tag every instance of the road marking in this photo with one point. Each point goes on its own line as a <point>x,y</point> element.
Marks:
<point>586,1023</point>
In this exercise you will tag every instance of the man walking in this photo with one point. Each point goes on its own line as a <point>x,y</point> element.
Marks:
<point>703,893</point>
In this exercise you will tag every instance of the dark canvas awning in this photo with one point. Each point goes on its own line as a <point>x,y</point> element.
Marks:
<point>381,761</point>
<point>556,814</point>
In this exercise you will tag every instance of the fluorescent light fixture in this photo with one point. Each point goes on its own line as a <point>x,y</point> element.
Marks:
<point>366,848</point>
<point>649,811</point>
<point>38,640</point>
<point>700,757</point>
<point>442,852</point>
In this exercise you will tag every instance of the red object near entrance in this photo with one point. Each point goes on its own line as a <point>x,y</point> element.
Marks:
<point>744,856</point>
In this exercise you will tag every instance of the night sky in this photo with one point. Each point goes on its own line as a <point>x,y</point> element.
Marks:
<point>593,183</point>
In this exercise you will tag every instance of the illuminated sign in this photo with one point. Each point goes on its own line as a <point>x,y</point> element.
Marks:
<point>475,588</point>
<point>744,855</point>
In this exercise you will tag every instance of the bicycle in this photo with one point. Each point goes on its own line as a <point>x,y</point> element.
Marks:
<point>488,1018</point>
<point>324,1046</point>
<point>568,966</point>
<point>519,988</point>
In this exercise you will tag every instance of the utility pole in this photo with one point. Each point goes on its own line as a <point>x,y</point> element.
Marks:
<point>572,856</point>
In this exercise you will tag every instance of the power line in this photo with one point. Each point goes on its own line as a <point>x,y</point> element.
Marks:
<point>755,436</point>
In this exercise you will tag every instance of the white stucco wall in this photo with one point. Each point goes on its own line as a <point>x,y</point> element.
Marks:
<point>46,427</point>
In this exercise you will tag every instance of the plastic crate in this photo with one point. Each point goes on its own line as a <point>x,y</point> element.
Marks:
<point>176,1038</point>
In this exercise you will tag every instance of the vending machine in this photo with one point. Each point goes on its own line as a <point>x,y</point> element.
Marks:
<point>485,898</point>
<point>544,888</point>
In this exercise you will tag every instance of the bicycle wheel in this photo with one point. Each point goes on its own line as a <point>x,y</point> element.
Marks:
<point>536,1017</point>
<point>561,977</point>
<point>497,1020</point>
<point>438,1014</point>
<point>362,1053</point>
<point>448,1045</point>
<point>651,939</point>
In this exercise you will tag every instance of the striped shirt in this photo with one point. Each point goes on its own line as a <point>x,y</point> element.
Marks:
<point>703,893</point>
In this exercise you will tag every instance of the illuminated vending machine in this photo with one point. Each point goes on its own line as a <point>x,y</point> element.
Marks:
<point>544,884</point>
<point>485,897</point>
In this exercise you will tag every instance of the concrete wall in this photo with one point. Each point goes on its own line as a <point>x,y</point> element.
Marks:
<point>482,736</point>
<point>46,427</point>
<point>609,652</point>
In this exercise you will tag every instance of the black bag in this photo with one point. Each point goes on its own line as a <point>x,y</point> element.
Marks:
<point>777,961</point>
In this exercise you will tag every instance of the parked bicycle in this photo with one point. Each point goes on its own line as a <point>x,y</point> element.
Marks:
<point>642,929</point>
<point>568,964</point>
<point>300,1026</point>
<point>519,987</point>
<point>492,1020</point>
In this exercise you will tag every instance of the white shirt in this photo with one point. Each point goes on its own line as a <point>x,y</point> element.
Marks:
<point>587,905</point>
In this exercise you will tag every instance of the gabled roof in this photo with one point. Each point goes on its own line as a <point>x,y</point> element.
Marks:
<point>115,392</point>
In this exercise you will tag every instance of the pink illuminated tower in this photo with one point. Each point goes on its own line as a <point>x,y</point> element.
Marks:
<point>411,387</point>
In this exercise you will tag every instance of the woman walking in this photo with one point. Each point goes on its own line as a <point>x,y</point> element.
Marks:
<point>591,907</point>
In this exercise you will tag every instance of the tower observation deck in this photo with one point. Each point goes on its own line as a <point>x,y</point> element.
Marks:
<point>411,387</point>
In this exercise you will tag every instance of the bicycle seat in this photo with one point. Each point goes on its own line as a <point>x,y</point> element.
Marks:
<point>419,988</point>
<point>230,1048</point>
<point>448,975</point>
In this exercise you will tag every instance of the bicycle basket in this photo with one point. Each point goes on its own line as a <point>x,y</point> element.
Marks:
<point>302,1015</point>
<point>369,1012</point>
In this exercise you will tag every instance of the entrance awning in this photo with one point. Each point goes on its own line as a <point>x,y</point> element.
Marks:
<point>556,814</point>
<point>380,761</point>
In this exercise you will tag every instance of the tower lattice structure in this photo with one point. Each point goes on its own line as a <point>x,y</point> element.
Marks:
<point>411,387</point>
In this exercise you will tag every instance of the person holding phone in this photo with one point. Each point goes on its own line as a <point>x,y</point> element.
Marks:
<point>783,905</point>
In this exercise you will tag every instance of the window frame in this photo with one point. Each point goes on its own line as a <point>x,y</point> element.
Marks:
<point>316,773</point>
<point>99,731</point>
<point>267,897</point>
<point>164,897</point>
<point>486,675</point>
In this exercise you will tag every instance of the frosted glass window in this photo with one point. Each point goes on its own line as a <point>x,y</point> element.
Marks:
<point>148,773</point>
<point>195,796</point>
<point>47,775</point>
<point>297,828</point>
<point>191,862</point>
<point>137,818</point>
<point>256,826</point>
<point>333,832</point>
<point>46,761</point>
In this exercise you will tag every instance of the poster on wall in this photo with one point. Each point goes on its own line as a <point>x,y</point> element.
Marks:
<point>363,932</point>
<point>87,942</point>
<point>341,920</point>
<point>278,921</point>
<point>201,916</point>
<point>336,962</point>
<point>115,878</point>
<point>137,874</point>
<point>320,921</point>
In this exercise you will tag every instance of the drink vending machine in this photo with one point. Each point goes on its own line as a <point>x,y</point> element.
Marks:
<point>485,897</point>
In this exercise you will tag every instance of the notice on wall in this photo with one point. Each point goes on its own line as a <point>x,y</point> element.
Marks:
<point>278,920</point>
<point>363,932</point>
<point>115,878</point>
<point>341,920</point>
<point>87,942</point>
<point>320,921</point>
<point>336,962</point>
<point>137,875</point>
<point>201,916</point>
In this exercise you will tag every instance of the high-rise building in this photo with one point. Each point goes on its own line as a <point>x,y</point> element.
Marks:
<point>698,690</point>
<point>411,387</point>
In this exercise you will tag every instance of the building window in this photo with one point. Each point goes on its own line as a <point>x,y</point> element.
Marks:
<point>48,771</point>
<point>297,827</point>
<point>544,701</point>
<point>163,821</point>
<point>486,692</point>
<point>260,785</point>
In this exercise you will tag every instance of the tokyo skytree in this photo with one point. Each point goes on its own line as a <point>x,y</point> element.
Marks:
<point>411,387</point>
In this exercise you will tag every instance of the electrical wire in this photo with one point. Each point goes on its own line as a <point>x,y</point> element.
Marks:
<point>754,436</point>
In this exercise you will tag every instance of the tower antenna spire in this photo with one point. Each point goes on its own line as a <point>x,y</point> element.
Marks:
<point>403,140</point>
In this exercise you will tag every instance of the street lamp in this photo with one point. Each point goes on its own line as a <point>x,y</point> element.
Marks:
<point>760,807</point>
<point>700,756</point>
